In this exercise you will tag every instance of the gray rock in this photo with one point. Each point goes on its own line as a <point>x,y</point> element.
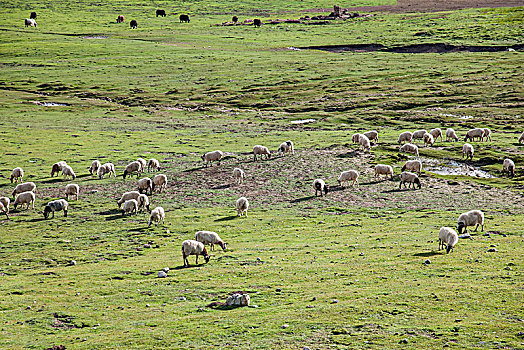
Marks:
<point>361,254</point>
<point>427,262</point>
<point>182,298</point>
<point>238,300</point>
<point>147,245</point>
<point>72,263</point>
<point>162,274</point>
<point>93,191</point>
<point>284,326</point>
<point>165,269</point>
<point>404,341</point>
<point>334,301</point>
<point>464,236</point>
<point>492,250</point>
<point>306,348</point>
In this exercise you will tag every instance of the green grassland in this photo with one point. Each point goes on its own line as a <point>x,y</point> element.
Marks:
<point>173,91</point>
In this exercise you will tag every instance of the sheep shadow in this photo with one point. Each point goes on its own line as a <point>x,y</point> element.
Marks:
<point>53,180</point>
<point>395,190</point>
<point>190,266</point>
<point>303,199</point>
<point>38,219</point>
<point>110,212</point>
<point>115,217</point>
<point>226,218</point>
<point>221,187</point>
<point>350,154</point>
<point>428,254</point>
<point>138,229</point>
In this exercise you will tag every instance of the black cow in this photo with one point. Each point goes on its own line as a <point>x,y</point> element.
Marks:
<point>184,18</point>
<point>257,22</point>
<point>133,24</point>
<point>161,13</point>
<point>33,15</point>
<point>235,19</point>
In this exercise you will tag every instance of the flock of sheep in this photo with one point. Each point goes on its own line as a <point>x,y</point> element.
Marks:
<point>135,201</point>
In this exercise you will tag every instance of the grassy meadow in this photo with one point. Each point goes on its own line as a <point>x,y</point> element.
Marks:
<point>345,271</point>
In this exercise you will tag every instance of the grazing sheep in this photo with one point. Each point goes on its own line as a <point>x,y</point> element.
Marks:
<point>133,167</point>
<point>257,22</point>
<point>144,185</point>
<point>471,134</point>
<point>242,205</point>
<point>33,15</point>
<point>428,139</point>
<point>25,198</point>
<point>413,165</point>
<point>239,175</point>
<point>72,190</point>
<point>286,147</point>
<point>214,156</point>
<point>364,143</point>
<point>57,167</point>
<point>5,202</point>
<point>509,166</point>
<point>521,138</point>
<point>406,136</point>
<point>67,171</point>
<point>349,175</point>
<point>93,169</point>
<point>261,150</point>
<point>130,206</point>
<point>143,164</point>
<point>234,19</point>
<point>160,182</point>
<point>410,178</point>
<point>436,133</point>
<point>25,187</point>
<point>468,150</point>
<point>120,19</point>
<point>106,168</point>
<point>143,202</point>
<point>184,18</point>
<point>356,137</point>
<point>419,134</point>
<point>17,175</point>
<point>409,148</point>
<point>450,135</point>
<point>190,247</point>
<point>447,237</point>
<point>4,210</point>
<point>372,135</point>
<point>487,134</point>
<point>133,24</point>
<point>157,215</point>
<point>127,196</point>
<point>153,165</point>
<point>472,217</point>
<point>383,169</point>
<point>320,186</point>
<point>161,13</point>
<point>56,205</point>
<point>29,22</point>
<point>211,238</point>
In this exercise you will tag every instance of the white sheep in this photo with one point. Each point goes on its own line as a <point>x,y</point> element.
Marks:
<point>143,164</point>
<point>436,133</point>
<point>471,134</point>
<point>67,171</point>
<point>106,168</point>
<point>130,206</point>
<point>242,205</point>
<point>521,138</point>
<point>157,215</point>
<point>406,136</point>
<point>349,175</point>
<point>25,187</point>
<point>468,151</point>
<point>211,238</point>
<point>95,165</point>
<point>364,143</point>
<point>419,134</point>
<point>487,133</point>
<point>25,198</point>
<point>286,147</point>
<point>190,247</point>
<point>72,190</point>
<point>509,166</point>
<point>153,164</point>
<point>214,156</point>
<point>56,205</point>
<point>144,185</point>
<point>127,196</point>
<point>133,167</point>
<point>428,139</point>
<point>472,217</point>
<point>30,22</point>
<point>320,186</point>
<point>383,169</point>
<point>4,210</point>
<point>57,167</point>
<point>261,150</point>
<point>451,135</point>
<point>372,135</point>
<point>447,237</point>
<point>356,137</point>
<point>17,175</point>
<point>413,165</point>
<point>410,178</point>
<point>159,182</point>
<point>6,202</point>
<point>143,202</point>
<point>409,148</point>
<point>239,175</point>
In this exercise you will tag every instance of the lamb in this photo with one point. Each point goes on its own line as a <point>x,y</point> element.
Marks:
<point>68,171</point>
<point>286,147</point>
<point>472,217</point>
<point>190,247</point>
<point>447,237</point>
<point>214,156</point>
<point>17,175</point>
<point>409,148</point>
<point>144,185</point>
<point>93,169</point>
<point>364,143</point>
<point>355,138</point>
<point>450,135</point>
<point>130,206</point>
<point>57,167</point>
<point>133,167</point>
<point>428,139</point>
<point>160,182</point>
<point>211,238</point>
<point>25,187</point>
<point>29,22</point>
<point>487,133</point>
<point>383,169</point>
<point>143,164</point>
<point>5,202</point>
<point>157,215</point>
<point>350,175</point>
<point>410,178</point>
<point>239,175</point>
<point>471,134</point>
<point>372,135</point>
<point>521,138</point>
<point>320,186</point>
<point>242,205</point>
<point>143,202</point>
<point>4,210</point>
<point>406,136</point>
<point>413,165</point>
<point>72,190</point>
<point>106,168</point>
<point>468,150</point>
<point>27,197</point>
<point>56,205</point>
<point>436,133</point>
<point>127,196</point>
<point>509,166</point>
<point>261,150</point>
<point>153,164</point>
<point>419,134</point>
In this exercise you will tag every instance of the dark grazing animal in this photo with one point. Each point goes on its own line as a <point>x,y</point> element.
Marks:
<point>33,15</point>
<point>133,24</point>
<point>257,22</point>
<point>161,13</point>
<point>235,19</point>
<point>120,19</point>
<point>184,18</point>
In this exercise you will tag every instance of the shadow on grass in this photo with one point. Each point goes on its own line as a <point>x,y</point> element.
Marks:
<point>398,190</point>
<point>115,217</point>
<point>191,266</point>
<point>39,219</point>
<point>350,154</point>
<point>226,218</point>
<point>53,180</point>
<point>138,229</point>
<point>303,199</point>
<point>110,212</point>
<point>221,187</point>
<point>428,254</point>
